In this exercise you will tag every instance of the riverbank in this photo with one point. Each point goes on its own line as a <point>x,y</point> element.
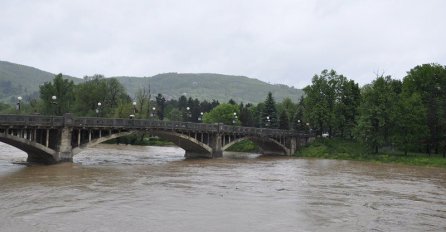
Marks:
<point>349,150</point>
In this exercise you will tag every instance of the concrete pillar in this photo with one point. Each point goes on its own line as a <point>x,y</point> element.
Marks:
<point>293,145</point>
<point>89,135</point>
<point>47,137</point>
<point>79,137</point>
<point>216,145</point>
<point>35,135</point>
<point>65,152</point>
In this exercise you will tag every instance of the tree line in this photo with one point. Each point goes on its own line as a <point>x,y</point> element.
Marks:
<point>407,114</point>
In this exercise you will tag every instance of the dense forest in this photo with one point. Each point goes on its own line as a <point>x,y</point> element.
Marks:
<point>407,114</point>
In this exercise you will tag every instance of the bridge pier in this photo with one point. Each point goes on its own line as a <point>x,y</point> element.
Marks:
<point>65,150</point>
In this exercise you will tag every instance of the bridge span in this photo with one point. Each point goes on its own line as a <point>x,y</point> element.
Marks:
<point>53,139</point>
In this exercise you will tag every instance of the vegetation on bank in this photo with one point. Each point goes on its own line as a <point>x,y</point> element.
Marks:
<point>244,146</point>
<point>342,149</point>
<point>140,140</point>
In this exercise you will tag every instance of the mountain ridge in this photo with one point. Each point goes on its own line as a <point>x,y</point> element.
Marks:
<point>18,79</point>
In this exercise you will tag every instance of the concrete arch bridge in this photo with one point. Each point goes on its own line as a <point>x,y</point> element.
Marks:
<point>53,139</point>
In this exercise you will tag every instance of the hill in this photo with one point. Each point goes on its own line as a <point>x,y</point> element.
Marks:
<point>20,80</point>
<point>207,86</point>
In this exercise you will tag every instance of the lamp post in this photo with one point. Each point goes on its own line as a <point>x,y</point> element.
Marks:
<point>188,113</point>
<point>234,118</point>
<point>200,118</point>
<point>134,107</point>
<point>53,102</point>
<point>19,101</point>
<point>98,109</point>
<point>152,115</point>
<point>268,121</point>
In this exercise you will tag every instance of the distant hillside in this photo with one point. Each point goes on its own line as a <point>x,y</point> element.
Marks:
<point>20,80</point>
<point>207,86</point>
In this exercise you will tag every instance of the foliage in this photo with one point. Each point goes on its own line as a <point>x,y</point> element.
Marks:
<point>244,146</point>
<point>429,81</point>
<point>160,105</point>
<point>224,113</point>
<point>284,120</point>
<point>269,113</point>
<point>331,103</point>
<point>352,150</point>
<point>377,113</point>
<point>63,90</point>
<point>98,89</point>
<point>410,126</point>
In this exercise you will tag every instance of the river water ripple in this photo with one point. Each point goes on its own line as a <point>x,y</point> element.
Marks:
<point>129,188</point>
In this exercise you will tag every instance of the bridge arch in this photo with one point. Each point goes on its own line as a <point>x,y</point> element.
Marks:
<point>268,145</point>
<point>192,146</point>
<point>36,151</point>
<point>96,141</point>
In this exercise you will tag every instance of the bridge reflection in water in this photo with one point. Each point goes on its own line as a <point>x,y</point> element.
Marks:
<point>53,139</point>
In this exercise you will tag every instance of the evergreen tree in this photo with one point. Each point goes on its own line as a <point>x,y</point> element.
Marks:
<point>284,120</point>
<point>269,113</point>
<point>160,106</point>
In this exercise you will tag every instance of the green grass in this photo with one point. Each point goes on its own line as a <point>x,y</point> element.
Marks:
<point>135,140</point>
<point>350,150</point>
<point>244,146</point>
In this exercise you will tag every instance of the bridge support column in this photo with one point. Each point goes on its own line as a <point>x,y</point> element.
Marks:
<point>65,151</point>
<point>293,145</point>
<point>216,146</point>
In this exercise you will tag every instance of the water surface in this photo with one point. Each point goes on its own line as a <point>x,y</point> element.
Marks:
<point>131,188</point>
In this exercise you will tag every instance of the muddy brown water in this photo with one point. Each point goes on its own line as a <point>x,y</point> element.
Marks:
<point>129,188</point>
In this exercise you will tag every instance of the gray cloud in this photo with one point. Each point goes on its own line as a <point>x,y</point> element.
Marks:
<point>275,41</point>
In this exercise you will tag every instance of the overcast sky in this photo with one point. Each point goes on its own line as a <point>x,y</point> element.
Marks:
<point>277,41</point>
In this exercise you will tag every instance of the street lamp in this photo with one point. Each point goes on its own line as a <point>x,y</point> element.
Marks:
<point>188,113</point>
<point>153,112</point>
<point>134,107</point>
<point>234,118</point>
<point>54,98</point>
<point>268,120</point>
<point>98,109</point>
<point>18,103</point>
<point>200,118</point>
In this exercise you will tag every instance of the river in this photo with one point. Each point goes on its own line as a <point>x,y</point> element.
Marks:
<point>131,188</point>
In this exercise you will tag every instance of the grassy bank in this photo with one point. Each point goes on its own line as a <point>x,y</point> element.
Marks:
<point>349,150</point>
<point>244,146</point>
<point>136,140</point>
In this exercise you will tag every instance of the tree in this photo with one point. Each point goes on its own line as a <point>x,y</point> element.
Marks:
<point>377,113</point>
<point>410,125</point>
<point>160,104</point>
<point>284,120</point>
<point>63,90</point>
<point>331,103</point>
<point>108,91</point>
<point>316,103</point>
<point>269,113</point>
<point>429,81</point>
<point>246,115</point>
<point>223,113</point>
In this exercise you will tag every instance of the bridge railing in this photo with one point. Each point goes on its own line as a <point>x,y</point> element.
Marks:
<point>31,120</point>
<point>140,124</point>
